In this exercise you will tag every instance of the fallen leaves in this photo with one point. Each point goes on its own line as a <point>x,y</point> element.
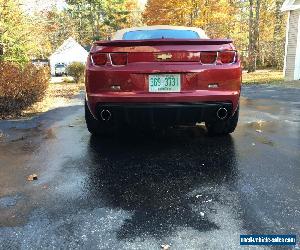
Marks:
<point>57,96</point>
<point>32,177</point>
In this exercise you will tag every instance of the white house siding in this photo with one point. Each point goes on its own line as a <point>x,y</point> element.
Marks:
<point>70,51</point>
<point>297,60</point>
<point>290,65</point>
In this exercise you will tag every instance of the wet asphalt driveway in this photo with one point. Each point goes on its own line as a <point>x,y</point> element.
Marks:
<point>139,191</point>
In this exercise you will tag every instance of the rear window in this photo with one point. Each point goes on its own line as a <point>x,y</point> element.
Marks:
<point>161,33</point>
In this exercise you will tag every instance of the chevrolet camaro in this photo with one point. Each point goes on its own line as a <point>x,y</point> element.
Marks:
<point>162,76</point>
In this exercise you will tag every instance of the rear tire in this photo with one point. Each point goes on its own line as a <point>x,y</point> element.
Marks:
<point>94,126</point>
<point>223,127</point>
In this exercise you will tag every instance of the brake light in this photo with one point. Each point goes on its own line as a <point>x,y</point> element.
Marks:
<point>118,58</point>
<point>227,56</point>
<point>99,58</point>
<point>208,57</point>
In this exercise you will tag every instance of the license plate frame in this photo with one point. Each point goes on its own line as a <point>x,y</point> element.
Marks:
<point>163,83</point>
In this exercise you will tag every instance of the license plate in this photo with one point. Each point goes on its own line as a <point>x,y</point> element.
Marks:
<point>164,83</point>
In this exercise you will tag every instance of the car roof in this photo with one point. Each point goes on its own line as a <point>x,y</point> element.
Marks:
<point>120,33</point>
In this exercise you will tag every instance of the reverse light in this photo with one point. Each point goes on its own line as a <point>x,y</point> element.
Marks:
<point>208,57</point>
<point>99,58</point>
<point>213,85</point>
<point>227,56</point>
<point>118,58</point>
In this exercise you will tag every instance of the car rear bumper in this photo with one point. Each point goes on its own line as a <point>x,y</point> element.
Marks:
<point>187,98</point>
<point>161,113</point>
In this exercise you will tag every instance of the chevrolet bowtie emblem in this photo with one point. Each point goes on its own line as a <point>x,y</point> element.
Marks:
<point>164,56</point>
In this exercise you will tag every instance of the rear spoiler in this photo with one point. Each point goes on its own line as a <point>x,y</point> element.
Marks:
<point>126,43</point>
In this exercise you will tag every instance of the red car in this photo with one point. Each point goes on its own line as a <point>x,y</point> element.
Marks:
<point>162,76</point>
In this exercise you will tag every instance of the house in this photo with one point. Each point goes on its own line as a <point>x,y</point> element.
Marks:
<point>70,51</point>
<point>292,46</point>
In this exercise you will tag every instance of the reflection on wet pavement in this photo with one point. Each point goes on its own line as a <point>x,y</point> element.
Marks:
<point>153,180</point>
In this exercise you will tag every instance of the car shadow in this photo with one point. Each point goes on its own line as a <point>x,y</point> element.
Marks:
<point>154,176</point>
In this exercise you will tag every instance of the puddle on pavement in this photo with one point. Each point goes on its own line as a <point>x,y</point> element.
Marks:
<point>14,134</point>
<point>8,201</point>
<point>3,136</point>
<point>259,130</point>
<point>13,210</point>
<point>16,153</point>
<point>16,215</point>
<point>260,104</point>
<point>265,141</point>
<point>263,126</point>
<point>50,134</point>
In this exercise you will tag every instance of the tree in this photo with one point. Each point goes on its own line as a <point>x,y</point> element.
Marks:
<point>253,34</point>
<point>59,26</point>
<point>251,46</point>
<point>215,17</point>
<point>256,26</point>
<point>12,35</point>
<point>278,36</point>
<point>98,19</point>
<point>21,35</point>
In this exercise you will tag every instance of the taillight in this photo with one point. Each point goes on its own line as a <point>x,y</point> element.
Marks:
<point>208,57</point>
<point>211,57</point>
<point>99,58</point>
<point>118,58</point>
<point>227,56</point>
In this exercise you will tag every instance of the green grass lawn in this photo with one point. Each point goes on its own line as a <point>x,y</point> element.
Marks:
<point>263,76</point>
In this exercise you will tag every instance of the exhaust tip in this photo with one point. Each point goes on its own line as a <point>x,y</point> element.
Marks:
<point>105,115</point>
<point>222,113</point>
